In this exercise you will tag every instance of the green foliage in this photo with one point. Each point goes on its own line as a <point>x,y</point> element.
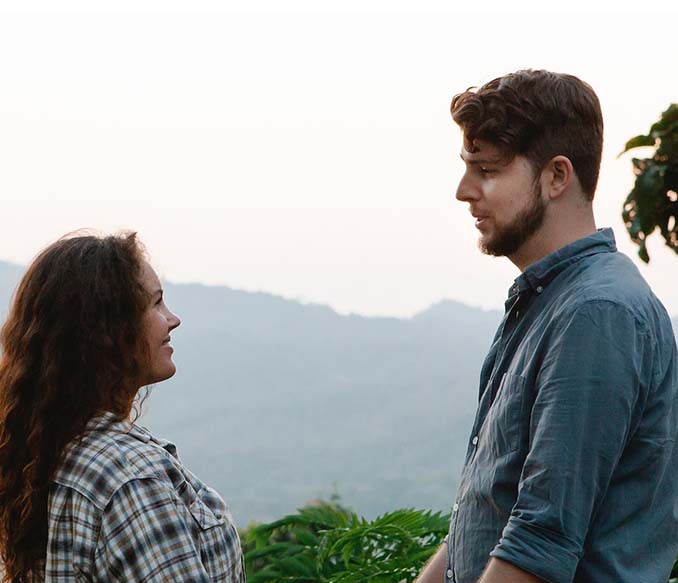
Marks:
<point>326,543</point>
<point>653,202</point>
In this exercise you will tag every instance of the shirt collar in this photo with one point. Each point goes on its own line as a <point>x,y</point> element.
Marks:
<point>108,421</point>
<point>538,275</point>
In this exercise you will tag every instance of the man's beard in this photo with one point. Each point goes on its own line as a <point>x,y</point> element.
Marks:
<point>508,239</point>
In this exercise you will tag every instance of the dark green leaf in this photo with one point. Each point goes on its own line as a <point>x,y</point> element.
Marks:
<point>651,205</point>
<point>637,142</point>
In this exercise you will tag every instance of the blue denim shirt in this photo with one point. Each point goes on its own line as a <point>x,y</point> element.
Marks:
<point>571,472</point>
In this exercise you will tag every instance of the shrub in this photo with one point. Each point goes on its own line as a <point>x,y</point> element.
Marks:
<point>327,543</point>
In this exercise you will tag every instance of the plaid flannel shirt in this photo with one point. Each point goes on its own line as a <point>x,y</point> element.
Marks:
<point>123,508</point>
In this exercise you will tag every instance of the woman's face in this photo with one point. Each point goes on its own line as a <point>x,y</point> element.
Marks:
<point>158,322</point>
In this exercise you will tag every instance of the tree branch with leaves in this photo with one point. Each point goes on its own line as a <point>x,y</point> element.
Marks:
<point>653,202</point>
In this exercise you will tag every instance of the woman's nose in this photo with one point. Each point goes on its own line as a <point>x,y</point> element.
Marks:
<point>173,321</point>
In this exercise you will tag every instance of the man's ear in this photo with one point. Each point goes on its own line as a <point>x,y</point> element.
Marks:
<point>558,176</point>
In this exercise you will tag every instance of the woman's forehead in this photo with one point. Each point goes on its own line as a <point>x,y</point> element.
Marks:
<point>149,278</point>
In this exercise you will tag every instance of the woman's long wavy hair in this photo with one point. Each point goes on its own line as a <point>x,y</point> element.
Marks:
<point>70,350</point>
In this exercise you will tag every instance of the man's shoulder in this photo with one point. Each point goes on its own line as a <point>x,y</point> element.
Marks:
<point>611,276</point>
<point>99,463</point>
<point>611,280</point>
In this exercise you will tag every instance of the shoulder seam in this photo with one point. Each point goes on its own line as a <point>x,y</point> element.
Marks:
<point>121,477</point>
<point>579,304</point>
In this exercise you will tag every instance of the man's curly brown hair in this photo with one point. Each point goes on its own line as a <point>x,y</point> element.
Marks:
<point>537,114</point>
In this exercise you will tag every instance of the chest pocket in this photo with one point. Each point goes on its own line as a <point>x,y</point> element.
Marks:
<point>220,550</point>
<point>506,420</point>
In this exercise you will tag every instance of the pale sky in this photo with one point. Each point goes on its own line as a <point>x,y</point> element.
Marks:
<point>300,148</point>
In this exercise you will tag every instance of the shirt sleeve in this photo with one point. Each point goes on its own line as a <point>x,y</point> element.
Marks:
<point>589,390</point>
<point>145,537</point>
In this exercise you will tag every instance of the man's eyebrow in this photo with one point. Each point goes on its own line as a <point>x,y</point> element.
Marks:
<point>478,160</point>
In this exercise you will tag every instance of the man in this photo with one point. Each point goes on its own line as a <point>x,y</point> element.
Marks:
<point>571,471</point>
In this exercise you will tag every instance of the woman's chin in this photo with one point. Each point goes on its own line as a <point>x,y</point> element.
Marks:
<point>161,375</point>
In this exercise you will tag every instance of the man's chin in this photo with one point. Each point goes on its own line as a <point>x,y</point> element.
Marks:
<point>500,248</point>
<point>489,246</point>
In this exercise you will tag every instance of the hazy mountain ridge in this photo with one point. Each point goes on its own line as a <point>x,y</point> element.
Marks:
<point>276,402</point>
<point>9,277</point>
<point>369,404</point>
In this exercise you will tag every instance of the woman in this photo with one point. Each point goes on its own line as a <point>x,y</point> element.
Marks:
<point>85,494</point>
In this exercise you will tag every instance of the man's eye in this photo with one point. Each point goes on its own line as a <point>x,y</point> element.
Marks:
<point>484,170</point>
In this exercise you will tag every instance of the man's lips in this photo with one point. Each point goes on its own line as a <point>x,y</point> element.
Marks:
<point>480,219</point>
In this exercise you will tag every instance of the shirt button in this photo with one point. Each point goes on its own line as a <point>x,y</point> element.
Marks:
<point>455,507</point>
<point>475,440</point>
<point>539,289</point>
<point>449,573</point>
<point>218,515</point>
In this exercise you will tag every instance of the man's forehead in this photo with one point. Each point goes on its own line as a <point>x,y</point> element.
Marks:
<point>480,152</point>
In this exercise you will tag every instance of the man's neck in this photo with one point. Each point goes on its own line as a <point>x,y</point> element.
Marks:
<point>548,240</point>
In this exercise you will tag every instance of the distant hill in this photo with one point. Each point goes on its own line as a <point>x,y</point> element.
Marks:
<point>9,276</point>
<point>277,402</point>
<point>295,400</point>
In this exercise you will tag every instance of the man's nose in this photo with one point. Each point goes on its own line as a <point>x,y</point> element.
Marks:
<point>466,191</point>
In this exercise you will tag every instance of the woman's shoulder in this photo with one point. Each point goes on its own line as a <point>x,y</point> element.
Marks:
<point>111,453</point>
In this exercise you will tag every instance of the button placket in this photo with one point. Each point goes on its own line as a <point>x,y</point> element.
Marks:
<point>451,554</point>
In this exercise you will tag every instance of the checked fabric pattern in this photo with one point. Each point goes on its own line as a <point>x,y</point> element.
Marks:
<point>123,508</point>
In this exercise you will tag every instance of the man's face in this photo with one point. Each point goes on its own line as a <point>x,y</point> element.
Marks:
<point>504,198</point>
